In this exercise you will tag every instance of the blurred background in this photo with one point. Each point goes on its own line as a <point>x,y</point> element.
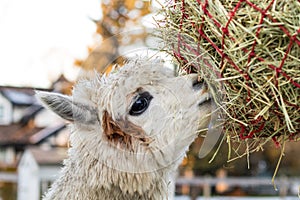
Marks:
<point>47,45</point>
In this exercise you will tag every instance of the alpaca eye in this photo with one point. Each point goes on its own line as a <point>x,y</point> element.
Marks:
<point>140,104</point>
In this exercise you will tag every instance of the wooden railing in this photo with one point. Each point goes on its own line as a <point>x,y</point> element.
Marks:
<point>9,177</point>
<point>282,185</point>
<point>205,184</point>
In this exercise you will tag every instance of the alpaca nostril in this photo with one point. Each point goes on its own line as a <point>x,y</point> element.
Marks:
<point>198,84</point>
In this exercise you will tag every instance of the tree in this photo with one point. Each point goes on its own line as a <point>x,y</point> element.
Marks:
<point>118,16</point>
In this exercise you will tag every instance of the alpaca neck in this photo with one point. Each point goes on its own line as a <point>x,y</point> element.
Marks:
<point>95,180</point>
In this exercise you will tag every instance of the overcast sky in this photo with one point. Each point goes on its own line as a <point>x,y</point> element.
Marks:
<point>39,39</point>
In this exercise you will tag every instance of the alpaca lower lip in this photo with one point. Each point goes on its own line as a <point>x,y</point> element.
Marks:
<point>206,99</point>
<point>204,102</point>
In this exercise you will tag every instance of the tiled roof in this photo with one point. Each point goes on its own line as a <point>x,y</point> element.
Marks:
<point>18,135</point>
<point>45,133</point>
<point>15,134</point>
<point>18,98</point>
<point>30,113</point>
<point>21,96</point>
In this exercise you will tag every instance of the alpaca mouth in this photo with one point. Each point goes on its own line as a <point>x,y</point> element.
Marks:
<point>205,98</point>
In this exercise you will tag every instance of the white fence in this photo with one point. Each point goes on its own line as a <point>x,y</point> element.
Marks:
<point>9,177</point>
<point>283,184</point>
<point>237,198</point>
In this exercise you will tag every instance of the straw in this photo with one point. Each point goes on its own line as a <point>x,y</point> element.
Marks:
<point>249,53</point>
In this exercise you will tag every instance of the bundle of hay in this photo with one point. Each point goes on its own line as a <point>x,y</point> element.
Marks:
<point>249,52</point>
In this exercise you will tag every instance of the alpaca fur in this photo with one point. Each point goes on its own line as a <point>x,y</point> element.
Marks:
<point>118,156</point>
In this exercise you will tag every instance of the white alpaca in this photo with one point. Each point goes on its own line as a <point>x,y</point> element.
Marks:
<point>130,131</point>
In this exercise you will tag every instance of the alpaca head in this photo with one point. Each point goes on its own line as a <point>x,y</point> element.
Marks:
<point>140,118</point>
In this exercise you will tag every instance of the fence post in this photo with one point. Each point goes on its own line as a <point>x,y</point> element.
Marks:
<point>206,189</point>
<point>283,188</point>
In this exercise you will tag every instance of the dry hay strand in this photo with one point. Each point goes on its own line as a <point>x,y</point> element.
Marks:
<point>249,53</point>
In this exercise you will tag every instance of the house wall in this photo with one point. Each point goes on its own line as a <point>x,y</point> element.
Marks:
<point>46,118</point>
<point>7,155</point>
<point>6,110</point>
<point>18,113</point>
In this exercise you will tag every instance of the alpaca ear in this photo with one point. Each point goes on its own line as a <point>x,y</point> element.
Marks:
<point>67,108</point>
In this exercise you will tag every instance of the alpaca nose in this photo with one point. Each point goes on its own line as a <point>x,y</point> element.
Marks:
<point>198,83</point>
